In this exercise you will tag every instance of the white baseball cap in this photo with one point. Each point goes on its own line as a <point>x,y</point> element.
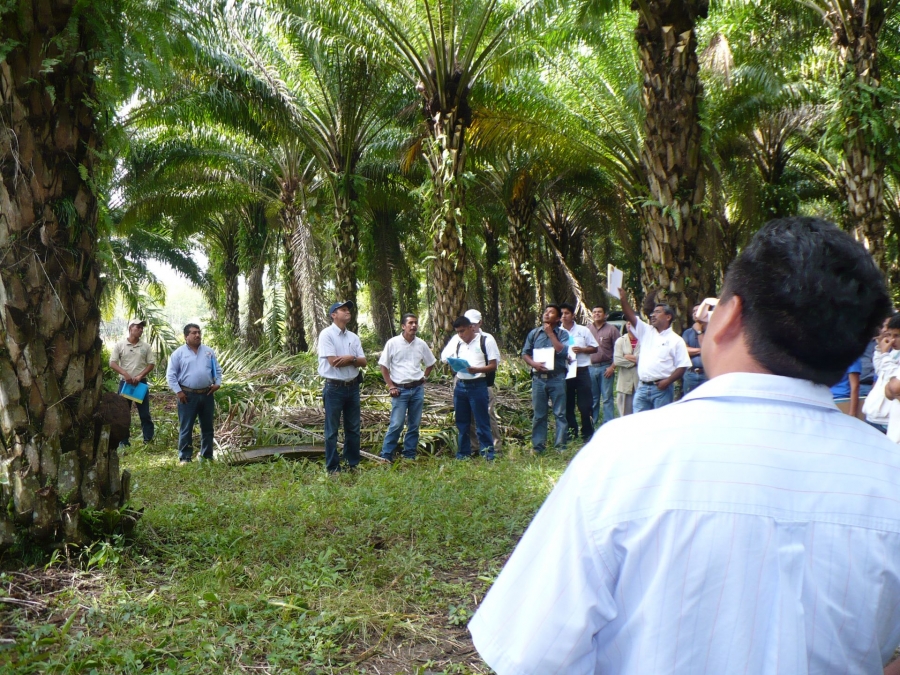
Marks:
<point>473,315</point>
<point>137,322</point>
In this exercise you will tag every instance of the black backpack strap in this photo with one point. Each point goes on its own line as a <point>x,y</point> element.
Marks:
<point>483,350</point>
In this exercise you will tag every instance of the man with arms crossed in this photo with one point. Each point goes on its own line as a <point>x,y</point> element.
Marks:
<point>664,356</point>
<point>340,358</point>
<point>401,367</point>
<point>133,360</point>
<point>751,527</point>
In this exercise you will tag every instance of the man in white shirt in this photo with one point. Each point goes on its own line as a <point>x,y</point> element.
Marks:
<point>475,317</point>
<point>340,359</point>
<point>751,527</point>
<point>578,389</point>
<point>470,395</point>
<point>664,356</point>
<point>401,365</point>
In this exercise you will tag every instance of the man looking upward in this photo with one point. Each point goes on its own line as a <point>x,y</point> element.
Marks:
<point>664,357</point>
<point>340,358</point>
<point>751,527</point>
<point>401,367</point>
<point>602,368</point>
<point>548,384</point>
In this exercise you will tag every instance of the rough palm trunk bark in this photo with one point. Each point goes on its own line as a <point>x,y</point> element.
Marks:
<point>863,165</point>
<point>346,249</point>
<point>381,288</point>
<point>231,271</point>
<point>491,311</point>
<point>446,158</point>
<point>55,460</point>
<point>671,156</point>
<point>255,305</point>
<point>294,319</point>
<point>520,308</point>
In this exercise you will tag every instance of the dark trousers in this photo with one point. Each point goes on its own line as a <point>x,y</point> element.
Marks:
<point>143,409</point>
<point>470,401</point>
<point>202,407</point>
<point>578,392</point>
<point>340,401</point>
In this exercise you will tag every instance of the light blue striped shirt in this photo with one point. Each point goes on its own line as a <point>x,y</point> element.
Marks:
<point>749,528</point>
<point>197,371</point>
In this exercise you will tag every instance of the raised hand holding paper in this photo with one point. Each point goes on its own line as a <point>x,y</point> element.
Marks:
<point>614,280</point>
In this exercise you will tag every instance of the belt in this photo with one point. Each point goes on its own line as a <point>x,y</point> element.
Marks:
<point>410,385</point>
<point>191,390</point>
<point>603,363</point>
<point>697,371</point>
<point>476,382</point>
<point>545,376</point>
<point>650,382</point>
<point>342,383</point>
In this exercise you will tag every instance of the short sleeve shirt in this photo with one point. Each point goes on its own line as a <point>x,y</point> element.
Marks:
<point>842,388</point>
<point>606,337</point>
<point>580,336</point>
<point>405,359</point>
<point>661,353</point>
<point>336,342</point>
<point>537,339</point>
<point>691,339</point>
<point>472,353</point>
<point>132,358</point>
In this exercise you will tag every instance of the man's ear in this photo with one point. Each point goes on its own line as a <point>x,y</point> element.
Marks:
<point>727,322</point>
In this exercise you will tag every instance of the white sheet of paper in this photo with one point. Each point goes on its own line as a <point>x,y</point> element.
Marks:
<point>546,356</point>
<point>573,370</point>
<point>614,280</point>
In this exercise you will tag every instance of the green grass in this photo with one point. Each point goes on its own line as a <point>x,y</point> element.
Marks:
<point>275,568</point>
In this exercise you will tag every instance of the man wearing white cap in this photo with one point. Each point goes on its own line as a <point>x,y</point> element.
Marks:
<point>490,346</point>
<point>133,360</point>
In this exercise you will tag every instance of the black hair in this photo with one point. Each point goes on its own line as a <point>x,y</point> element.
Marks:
<point>600,305</point>
<point>461,322</point>
<point>554,306</point>
<point>812,298</point>
<point>406,316</point>
<point>894,322</point>
<point>567,306</point>
<point>187,328</point>
<point>667,309</point>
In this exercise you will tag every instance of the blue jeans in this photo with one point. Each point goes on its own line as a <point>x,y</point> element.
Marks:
<point>692,381</point>
<point>552,389</point>
<point>602,393</point>
<point>202,407</point>
<point>341,401</point>
<point>470,399</point>
<point>649,397</point>
<point>405,408</point>
<point>143,409</point>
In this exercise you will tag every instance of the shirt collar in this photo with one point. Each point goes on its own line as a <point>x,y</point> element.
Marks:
<point>768,387</point>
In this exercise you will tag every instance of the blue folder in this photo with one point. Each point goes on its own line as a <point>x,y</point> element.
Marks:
<point>135,392</point>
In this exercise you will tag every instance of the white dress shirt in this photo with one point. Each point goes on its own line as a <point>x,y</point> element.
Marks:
<point>661,353</point>
<point>404,359</point>
<point>336,342</point>
<point>472,353</point>
<point>751,528</point>
<point>581,336</point>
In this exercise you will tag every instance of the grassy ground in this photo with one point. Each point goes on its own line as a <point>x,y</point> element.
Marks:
<point>275,568</point>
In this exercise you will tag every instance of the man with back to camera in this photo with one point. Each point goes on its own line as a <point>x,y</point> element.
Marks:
<point>133,360</point>
<point>401,367</point>
<point>548,385</point>
<point>194,375</point>
<point>340,359</point>
<point>756,529</point>
<point>578,389</point>
<point>664,356</point>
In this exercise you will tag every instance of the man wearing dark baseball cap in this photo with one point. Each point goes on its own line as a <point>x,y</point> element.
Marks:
<point>340,358</point>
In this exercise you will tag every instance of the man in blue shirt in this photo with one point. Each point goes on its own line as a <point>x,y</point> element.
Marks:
<point>548,384</point>
<point>848,387</point>
<point>194,375</point>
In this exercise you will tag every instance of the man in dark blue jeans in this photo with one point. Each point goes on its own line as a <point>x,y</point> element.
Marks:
<point>194,375</point>
<point>340,358</point>
<point>548,378</point>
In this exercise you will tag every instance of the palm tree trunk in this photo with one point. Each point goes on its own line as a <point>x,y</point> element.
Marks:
<point>346,250</point>
<point>446,161</point>
<point>492,281</point>
<point>231,271</point>
<point>255,304</point>
<point>381,288</point>
<point>55,460</point>
<point>294,320</point>
<point>520,308</point>
<point>671,155</point>
<point>863,165</point>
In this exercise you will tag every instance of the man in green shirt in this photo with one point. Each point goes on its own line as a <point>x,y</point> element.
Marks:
<point>133,359</point>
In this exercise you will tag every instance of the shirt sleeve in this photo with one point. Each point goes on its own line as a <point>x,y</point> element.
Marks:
<point>385,358</point>
<point>640,329</point>
<point>564,339</point>
<point>427,357</point>
<point>357,348</point>
<point>680,355</point>
<point>172,372</point>
<point>589,339</point>
<point>150,355</point>
<point>326,344</point>
<point>116,354</point>
<point>449,348</point>
<point>552,597</point>
<point>528,348</point>
<point>855,367</point>
<point>216,368</point>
